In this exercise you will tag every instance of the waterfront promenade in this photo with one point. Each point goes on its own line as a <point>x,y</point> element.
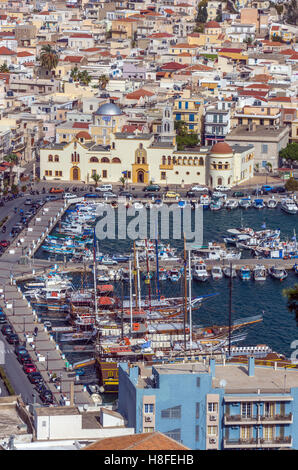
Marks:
<point>15,262</point>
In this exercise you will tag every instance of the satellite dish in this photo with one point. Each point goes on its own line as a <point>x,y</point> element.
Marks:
<point>222,383</point>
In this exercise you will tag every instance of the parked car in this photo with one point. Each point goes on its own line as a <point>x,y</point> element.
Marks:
<point>199,188</point>
<point>6,330</point>
<point>104,187</point>
<point>109,194</point>
<point>152,188</point>
<point>20,350</point>
<point>279,189</point>
<point>125,194</point>
<point>51,198</point>
<point>191,194</point>
<point>238,194</point>
<point>28,202</point>
<point>29,368</point>
<point>221,188</point>
<point>13,338</point>
<point>266,188</point>
<point>24,357</point>
<point>35,377</point>
<point>2,318</point>
<point>91,195</point>
<point>56,190</point>
<point>172,195</point>
<point>70,196</point>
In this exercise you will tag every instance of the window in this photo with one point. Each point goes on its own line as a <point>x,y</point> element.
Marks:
<point>174,434</point>
<point>198,381</point>
<point>197,432</point>
<point>197,410</point>
<point>50,158</point>
<point>264,148</point>
<point>116,160</point>
<point>44,424</point>
<point>58,173</point>
<point>163,175</point>
<point>246,411</point>
<point>212,407</point>
<point>212,431</point>
<point>172,413</point>
<point>56,158</point>
<point>149,408</point>
<point>93,160</point>
<point>104,173</point>
<point>148,429</point>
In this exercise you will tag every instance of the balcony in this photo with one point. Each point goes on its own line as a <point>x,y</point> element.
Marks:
<point>166,167</point>
<point>258,419</point>
<point>258,443</point>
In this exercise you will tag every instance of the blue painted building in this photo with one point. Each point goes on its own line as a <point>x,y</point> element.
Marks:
<point>207,405</point>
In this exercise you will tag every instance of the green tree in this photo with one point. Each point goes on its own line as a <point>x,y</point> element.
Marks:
<point>184,138</point>
<point>4,68</point>
<point>290,152</point>
<point>13,159</point>
<point>292,296</point>
<point>96,178</point>
<point>84,77</point>
<point>202,15</point>
<point>48,57</point>
<point>74,74</point>
<point>103,81</point>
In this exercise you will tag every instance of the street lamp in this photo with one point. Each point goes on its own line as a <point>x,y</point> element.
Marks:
<point>47,361</point>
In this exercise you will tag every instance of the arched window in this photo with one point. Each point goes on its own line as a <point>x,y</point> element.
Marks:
<point>169,160</point>
<point>184,160</point>
<point>201,163</point>
<point>164,159</point>
<point>93,160</point>
<point>196,161</point>
<point>105,160</point>
<point>229,180</point>
<point>219,166</point>
<point>219,181</point>
<point>56,158</point>
<point>116,160</point>
<point>50,158</point>
<point>190,161</point>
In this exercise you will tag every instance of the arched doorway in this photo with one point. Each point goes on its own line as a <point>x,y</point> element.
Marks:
<point>141,176</point>
<point>75,174</point>
<point>219,181</point>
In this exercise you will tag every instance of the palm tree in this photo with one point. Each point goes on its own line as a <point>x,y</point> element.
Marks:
<point>74,74</point>
<point>103,81</point>
<point>84,77</point>
<point>13,159</point>
<point>122,181</point>
<point>96,178</point>
<point>48,57</point>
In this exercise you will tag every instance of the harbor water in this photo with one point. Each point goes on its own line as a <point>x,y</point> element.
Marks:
<point>278,328</point>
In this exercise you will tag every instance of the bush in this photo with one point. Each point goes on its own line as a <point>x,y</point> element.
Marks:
<point>291,184</point>
<point>6,382</point>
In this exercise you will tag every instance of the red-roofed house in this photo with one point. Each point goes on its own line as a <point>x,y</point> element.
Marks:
<point>25,57</point>
<point>76,59</point>
<point>139,96</point>
<point>7,56</point>
<point>81,41</point>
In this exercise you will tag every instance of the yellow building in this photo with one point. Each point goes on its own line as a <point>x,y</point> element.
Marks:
<point>190,110</point>
<point>124,28</point>
<point>261,116</point>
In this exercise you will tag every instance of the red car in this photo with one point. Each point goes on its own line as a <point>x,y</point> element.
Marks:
<point>56,190</point>
<point>28,368</point>
<point>5,243</point>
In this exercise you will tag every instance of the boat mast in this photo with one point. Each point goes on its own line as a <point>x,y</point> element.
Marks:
<point>157,269</point>
<point>135,274</point>
<point>230,309</point>
<point>130,296</point>
<point>94,275</point>
<point>138,281</point>
<point>189,295</point>
<point>148,275</point>
<point>185,295</point>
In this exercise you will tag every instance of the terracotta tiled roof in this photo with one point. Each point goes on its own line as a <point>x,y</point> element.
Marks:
<point>160,35</point>
<point>80,125</point>
<point>83,135</point>
<point>212,24</point>
<point>146,441</point>
<point>172,66</point>
<point>73,58</point>
<point>24,54</point>
<point>135,95</point>
<point>6,51</point>
<point>284,99</point>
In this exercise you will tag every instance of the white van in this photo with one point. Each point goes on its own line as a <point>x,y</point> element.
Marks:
<point>104,188</point>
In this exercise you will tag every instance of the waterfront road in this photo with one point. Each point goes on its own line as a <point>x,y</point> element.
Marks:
<point>18,379</point>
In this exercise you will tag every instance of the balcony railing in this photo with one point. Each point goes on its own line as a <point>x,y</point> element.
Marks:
<point>232,419</point>
<point>259,442</point>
